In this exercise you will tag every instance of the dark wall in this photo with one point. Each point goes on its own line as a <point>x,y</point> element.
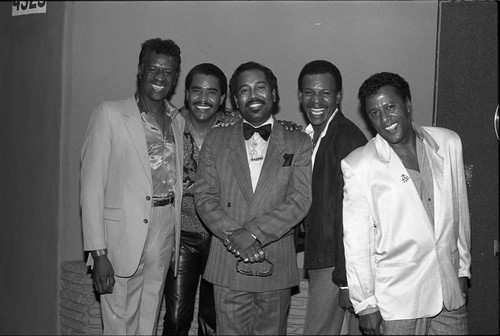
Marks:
<point>467,97</point>
<point>30,100</point>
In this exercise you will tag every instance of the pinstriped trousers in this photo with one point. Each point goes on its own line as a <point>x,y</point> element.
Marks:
<point>251,313</point>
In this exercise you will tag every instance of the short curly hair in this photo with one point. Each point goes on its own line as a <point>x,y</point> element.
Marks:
<point>375,82</point>
<point>321,67</point>
<point>159,46</point>
<point>207,69</point>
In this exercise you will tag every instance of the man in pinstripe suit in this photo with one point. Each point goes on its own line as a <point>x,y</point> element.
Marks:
<point>253,186</point>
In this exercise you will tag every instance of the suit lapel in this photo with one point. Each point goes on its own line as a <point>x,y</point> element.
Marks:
<point>135,129</point>
<point>401,178</point>
<point>436,162</point>
<point>239,161</point>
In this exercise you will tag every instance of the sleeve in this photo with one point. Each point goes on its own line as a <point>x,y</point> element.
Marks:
<point>460,200</point>
<point>358,242</point>
<point>95,158</point>
<point>274,224</point>
<point>207,191</point>
<point>350,142</point>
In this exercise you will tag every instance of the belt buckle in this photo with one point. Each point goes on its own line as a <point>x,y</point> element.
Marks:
<point>163,202</point>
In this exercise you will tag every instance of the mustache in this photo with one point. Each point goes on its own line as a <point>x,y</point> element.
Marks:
<point>201,102</point>
<point>255,100</point>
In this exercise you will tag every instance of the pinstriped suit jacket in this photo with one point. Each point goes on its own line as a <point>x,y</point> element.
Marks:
<point>225,202</point>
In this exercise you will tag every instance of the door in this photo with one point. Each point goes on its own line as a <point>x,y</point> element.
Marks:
<point>466,100</point>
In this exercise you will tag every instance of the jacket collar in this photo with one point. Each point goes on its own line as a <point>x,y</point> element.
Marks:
<point>385,151</point>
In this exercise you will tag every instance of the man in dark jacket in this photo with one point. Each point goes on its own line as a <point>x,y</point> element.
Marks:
<point>334,137</point>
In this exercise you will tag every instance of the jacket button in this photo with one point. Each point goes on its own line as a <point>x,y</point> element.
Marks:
<point>148,198</point>
<point>318,261</point>
<point>145,221</point>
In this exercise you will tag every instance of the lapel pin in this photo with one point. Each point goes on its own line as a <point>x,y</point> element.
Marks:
<point>405,178</point>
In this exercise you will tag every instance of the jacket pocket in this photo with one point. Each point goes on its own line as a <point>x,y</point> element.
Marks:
<point>113,214</point>
<point>384,264</point>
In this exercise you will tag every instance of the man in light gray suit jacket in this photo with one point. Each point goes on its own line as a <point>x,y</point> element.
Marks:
<point>406,220</point>
<point>131,191</point>
<point>253,186</point>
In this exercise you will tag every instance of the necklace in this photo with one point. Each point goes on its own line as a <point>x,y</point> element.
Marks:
<point>197,137</point>
<point>254,155</point>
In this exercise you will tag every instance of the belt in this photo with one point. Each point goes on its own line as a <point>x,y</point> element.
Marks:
<point>157,202</point>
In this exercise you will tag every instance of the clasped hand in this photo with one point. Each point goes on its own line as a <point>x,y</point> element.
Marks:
<point>243,245</point>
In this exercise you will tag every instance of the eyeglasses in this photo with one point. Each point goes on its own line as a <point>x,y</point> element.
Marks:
<point>266,268</point>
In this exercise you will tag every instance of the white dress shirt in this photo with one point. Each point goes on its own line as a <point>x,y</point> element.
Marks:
<point>310,132</point>
<point>260,146</point>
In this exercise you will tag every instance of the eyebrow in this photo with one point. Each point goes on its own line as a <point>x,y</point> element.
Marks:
<point>201,87</point>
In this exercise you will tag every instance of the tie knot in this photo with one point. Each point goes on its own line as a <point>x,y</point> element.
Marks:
<point>249,130</point>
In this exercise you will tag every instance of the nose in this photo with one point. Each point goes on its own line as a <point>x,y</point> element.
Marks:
<point>204,96</point>
<point>160,73</point>
<point>384,116</point>
<point>315,97</point>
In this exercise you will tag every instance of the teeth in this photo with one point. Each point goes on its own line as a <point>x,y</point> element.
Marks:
<point>316,111</point>
<point>391,127</point>
<point>157,87</point>
<point>255,105</point>
<point>202,107</point>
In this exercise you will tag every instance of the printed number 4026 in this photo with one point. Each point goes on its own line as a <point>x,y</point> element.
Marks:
<point>23,5</point>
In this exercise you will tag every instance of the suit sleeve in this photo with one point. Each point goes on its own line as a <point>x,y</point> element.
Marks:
<point>275,223</point>
<point>460,199</point>
<point>95,158</point>
<point>358,242</point>
<point>348,144</point>
<point>207,192</point>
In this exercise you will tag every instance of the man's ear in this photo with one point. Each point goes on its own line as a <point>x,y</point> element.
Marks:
<point>338,98</point>
<point>408,105</point>
<point>300,95</point>
<point>274,95</point>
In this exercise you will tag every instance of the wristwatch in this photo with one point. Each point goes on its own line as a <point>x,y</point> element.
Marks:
<point>97,253</point>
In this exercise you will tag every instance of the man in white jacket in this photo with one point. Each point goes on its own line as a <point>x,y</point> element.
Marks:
<point>406,220</point>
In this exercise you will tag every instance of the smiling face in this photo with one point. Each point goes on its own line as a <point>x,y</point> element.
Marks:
<point>204,97</point>
<point>158,77</point>
<point>390,115</point>
<point>254,97</point>
<point>319,97</point>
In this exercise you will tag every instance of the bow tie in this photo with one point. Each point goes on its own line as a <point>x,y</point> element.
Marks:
<point>249,130</point>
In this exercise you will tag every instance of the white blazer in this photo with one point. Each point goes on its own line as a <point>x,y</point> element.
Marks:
<point>116,184</point>
<point>396,259</point>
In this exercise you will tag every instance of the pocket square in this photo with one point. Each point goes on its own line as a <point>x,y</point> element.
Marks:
<point>288,160</point>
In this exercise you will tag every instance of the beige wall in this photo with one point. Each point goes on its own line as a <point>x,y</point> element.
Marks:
<point>56,67</point>
<point>360,37</point>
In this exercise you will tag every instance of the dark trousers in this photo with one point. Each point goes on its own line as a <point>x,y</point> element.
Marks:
<point>180,291</point>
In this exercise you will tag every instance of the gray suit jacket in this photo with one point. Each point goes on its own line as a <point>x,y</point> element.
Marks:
<point>116,182</point>
<point>225,202</point>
